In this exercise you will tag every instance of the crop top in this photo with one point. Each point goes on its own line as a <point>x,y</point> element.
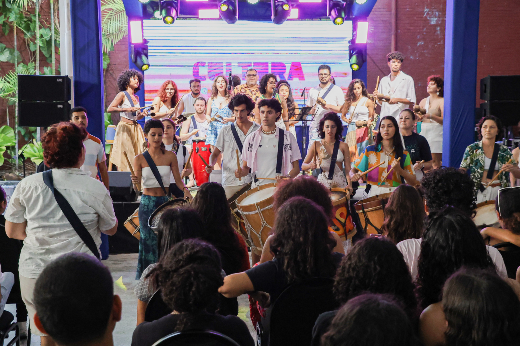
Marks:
<point>149,180</point>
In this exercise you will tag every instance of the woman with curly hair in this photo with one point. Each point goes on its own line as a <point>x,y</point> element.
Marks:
<point>33,215</point>
<point>404,214</point>
<point>478,308</point>
<point>129,135</point>
<point>486,158</point>
<point>217,109</point>
<point>284,88</point>
<point>190,275</point>
<point>384,273</point>
<point>361,115</point>
<point>371,320</point>
<point>268,90</point>
<point>165,101</point>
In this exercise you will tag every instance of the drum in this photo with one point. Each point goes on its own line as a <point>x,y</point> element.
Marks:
<point>485,214</point>
<point>153,220</point>
<point>342,222</point>
<point>199,168</point>
<point>372,213</point>
<point>236,220</point>
<point>132,224</point>
<point>256,208</point>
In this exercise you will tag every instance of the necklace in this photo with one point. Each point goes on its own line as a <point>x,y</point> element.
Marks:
<point>387,153</point>
<point>269,132</point>
<point>327,143</point>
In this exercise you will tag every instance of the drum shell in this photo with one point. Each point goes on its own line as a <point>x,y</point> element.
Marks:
<point>132,224</point>
<point>342,223</point>
<point>198,166</point>
<point>374,209</point>
<point>236,218</point>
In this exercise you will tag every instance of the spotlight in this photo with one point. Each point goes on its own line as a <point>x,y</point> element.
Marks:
<point>357,56</point>
<point>140,56</point>
<point>144,1</point>
<point>280,11</point>
<point>151,10</point>
<point>169,11</point>
<point>337,12</point>
<point>228,11</point>
<point>361,2</point>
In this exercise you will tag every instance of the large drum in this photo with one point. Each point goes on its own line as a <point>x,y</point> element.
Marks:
<point>372,213</point>
<point>342,222</point>
<point>236,219</point>
<point>199,168</point>
<point>256,208</point>
<point>153,220</point>
<point>485,215</point>
<point>132,224</point>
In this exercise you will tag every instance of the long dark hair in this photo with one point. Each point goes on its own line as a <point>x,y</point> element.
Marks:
<point>334,118</point>
<point>291,105</point>
<point>302,240</point>
<point>404,214</point>
<point>154,124</point>
<point>262,87</point>
<point>497,121</point>
<point>398,144</point>
<point>213,207</point>
<point>350,92</point>
<point>451,240</point>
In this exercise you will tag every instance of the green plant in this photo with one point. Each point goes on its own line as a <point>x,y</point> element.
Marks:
<point>114,23</point>
<point>33,151</point>
<point>7,139</point>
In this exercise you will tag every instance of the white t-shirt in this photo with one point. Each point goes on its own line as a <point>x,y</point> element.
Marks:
<point>411,249</point>
<point>188,100</point>
<point>401,87</point>
<point>266,158</point>
<point>334,97</point>
<point>181,158</point>
<point>94,154</point>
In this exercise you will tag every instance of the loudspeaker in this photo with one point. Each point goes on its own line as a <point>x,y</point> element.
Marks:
<point>507,111</point>
<point>120,187</point>
<point>43,88</point>
<point>500,88</point>
<point>42,114</point>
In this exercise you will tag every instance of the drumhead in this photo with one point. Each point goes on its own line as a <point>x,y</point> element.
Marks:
<point>258,196</point>
<point>337,196</point>
<point>485,214</point>
<point>153,221</point>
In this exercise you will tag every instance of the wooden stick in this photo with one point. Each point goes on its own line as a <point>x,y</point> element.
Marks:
<point>174,108</point>
<point>377,83</point>
<point>238,164</point>
<point>151,107</point>
<point>370,170</point>
<point>189,158</point>
<point>203,160</point>
<point>272,178</point>
<point>496,176</point>
<point>137,185</point>
<point>388,173</point>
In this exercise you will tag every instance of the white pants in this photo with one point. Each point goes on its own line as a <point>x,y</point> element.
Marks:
<point>489,194</point>
<point>5,285</point>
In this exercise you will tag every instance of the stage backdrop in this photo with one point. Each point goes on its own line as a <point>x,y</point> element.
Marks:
<point>205,49</point>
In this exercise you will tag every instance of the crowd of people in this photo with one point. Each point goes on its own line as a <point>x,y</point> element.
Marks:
<point>430,276</point>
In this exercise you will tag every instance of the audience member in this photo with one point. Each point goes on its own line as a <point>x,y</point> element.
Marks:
<point>370,320</point>
<point>190,275</point>
<point>175,225</point>
<point>33,215</point>
<point>372,265</point>
<point>6,284</point>
<point>75,301</point>
<point>404,214</point>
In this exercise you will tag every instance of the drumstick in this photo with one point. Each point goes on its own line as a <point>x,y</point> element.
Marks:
<point>151,107</point>
<point>370,170</point>
<point>137,185</point>
<point>174,108</point>
<point>189,158</point>
<point>387,173</point>
<point>238,164</point>
<point>496,176</point>
<point>377,83</point>
<point>203,160</point>
<point>272,178</point>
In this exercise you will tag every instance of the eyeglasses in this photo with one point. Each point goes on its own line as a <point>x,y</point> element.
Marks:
<point>251,75</point>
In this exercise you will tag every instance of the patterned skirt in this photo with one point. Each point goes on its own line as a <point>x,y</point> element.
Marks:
<point>148,242</point>
<point>130,138</point>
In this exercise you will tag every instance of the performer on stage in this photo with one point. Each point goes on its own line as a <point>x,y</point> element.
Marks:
<point>416,145</point>
<point>397,86</point>
<point>361,115</point>
<point>267,90</point>
<point>153,193</point>
<point>333,96</point>
<point>218,110</point>
<point>198,124</point>
<point>129,135</point>
<point>95,158</point>
<point>165,101</point>
<point>486,158</point>
<point>267,153</point>
<point>330,149</point>
<point>431,122</point>
<point>284,88</point>
<point>187,104</point>
<point>251,87</point>
<point>387,150</point>
<point>172,143</point>
<point>232,138</point>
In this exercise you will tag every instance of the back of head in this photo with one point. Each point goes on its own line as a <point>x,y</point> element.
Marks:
<point>73,297</point>
<point>302,240</point>
<point>62,145</point>
<point>481,309</point>
<point>375,265</point>
<point>508,206</point>
<point>404,214</point>
<point>451,240</point>
<point>448,186</point>
<point>370,320</point>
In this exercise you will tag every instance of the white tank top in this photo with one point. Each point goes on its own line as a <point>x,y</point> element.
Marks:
<point>126,104</point>
<point>163,109</point>
<point>360,111</point>
<point>149,180</point>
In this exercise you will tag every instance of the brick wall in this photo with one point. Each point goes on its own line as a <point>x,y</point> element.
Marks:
<point>118,63</point>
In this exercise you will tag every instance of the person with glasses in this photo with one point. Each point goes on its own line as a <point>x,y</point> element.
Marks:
<point>268,91</point>
<point>251,87</point>
<point>330,93</point>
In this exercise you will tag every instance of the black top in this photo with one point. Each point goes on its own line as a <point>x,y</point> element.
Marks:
<point>270,277</point>
<point>321,326</point>
<point>147,333</point>
<point>418,148</point>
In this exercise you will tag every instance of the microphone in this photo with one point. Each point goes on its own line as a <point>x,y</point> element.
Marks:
<point>303,92</point>
<point>230,81</point>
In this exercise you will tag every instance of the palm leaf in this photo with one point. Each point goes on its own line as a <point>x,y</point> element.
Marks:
<point>23,3</point>
<point>114,23</point>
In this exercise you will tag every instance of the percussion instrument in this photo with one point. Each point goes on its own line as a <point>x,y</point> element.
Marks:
<point>198,165</point>
<point>256,208</point>
<point>153,220</point>
<point>485,214</point>
<point>237,221</point>
<point>496,176</point>
<point>132,224</point>
<point>372,213</point>
<point>342,222</point>
<point>320,101</point>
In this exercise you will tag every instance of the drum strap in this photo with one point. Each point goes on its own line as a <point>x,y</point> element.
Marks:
<point>279,157</point>
<point>327,91</point>
<point>491,170</point>
<point>154,169</point>
<point>237,138</point>
<point>71,215</point>
<point>131,101</point>
<point>194,122</point>
<point>333,160</point>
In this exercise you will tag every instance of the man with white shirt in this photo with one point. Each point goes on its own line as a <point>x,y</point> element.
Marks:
<point>230,141</point>
<point>94,150</point>
<point>187,101</point>
<point>398,88</point>
<point>333,96</point>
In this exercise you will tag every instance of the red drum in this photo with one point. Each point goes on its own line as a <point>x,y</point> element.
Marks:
<point>199,168</point>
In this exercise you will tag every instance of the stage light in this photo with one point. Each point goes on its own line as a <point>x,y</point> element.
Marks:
<point>228,11</point>
<point>361,33</point>
<point>209,14</point>
<point>169,11</point>
<point>337,12</point>
<point>280,11</point>
<point>140,56</point>
<point>144,1</point>
<point>253,2</point>
<point>361,2</point>
<point>136,31</point>
<point>357,56</point>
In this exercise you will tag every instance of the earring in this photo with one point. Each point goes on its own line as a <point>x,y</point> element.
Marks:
<point>438,93</point>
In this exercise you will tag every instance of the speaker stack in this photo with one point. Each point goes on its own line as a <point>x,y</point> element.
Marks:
<point>502,96</point>
<point>43,100</point>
